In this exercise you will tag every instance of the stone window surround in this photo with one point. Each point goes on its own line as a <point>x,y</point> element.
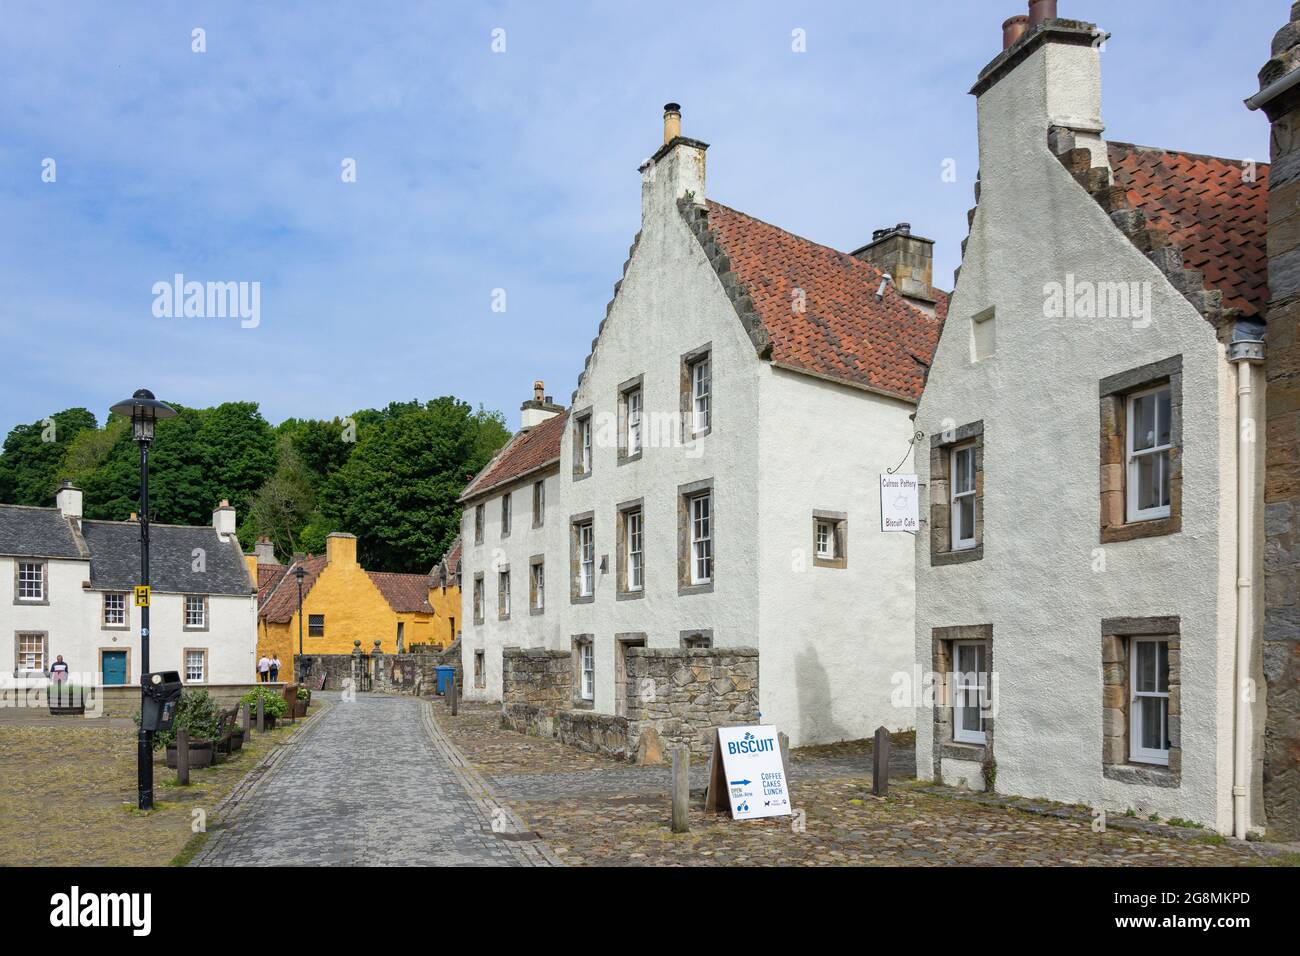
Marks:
<point>701,633</point>
<point>478,596</point>
<point>1116,645</point>
<point>480,521</point>
<point>623,641</point>
<point>480,668</point>
<point>536,561</point>
<point>689,360</point>
<point>575,558</point>
<point>632,384</point>
<point>1113,392</point>
<point>45,650</point>
<point>314,629</point>
<point>539,498</point>
<point>45,583</point>
<point>126,612</point>
<point>185,656</point>
<point>943,664</point>
<point>503,592</point>
<point>839,521</point>
<point>579,702</point>
<point>941,446</point>
<point>507,514</point>
<point>620,551</point>
<point>580,416</point>
<point>185,613</point>
<point>684,557</point>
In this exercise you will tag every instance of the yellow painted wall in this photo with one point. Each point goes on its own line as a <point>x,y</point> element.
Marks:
<point>354,610</point>
<point>446,608</point>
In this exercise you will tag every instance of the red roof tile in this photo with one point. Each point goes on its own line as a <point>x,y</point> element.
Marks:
<point>1212,213</point>
<point>281,602</point>
<point>448,561</point>
<point>268,576</point>
<point>527,451</point>
<point>405,593</point>
<point>843,332</point>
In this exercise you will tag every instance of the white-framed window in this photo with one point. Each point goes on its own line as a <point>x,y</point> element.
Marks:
<point>587,658</point>
<point>1148,442</point>
<point>584,445</point>
<point>31,581</point>
<point>586,560</point>
<point>825,539</point>
<point>480,669</point>
<point>31,652</point>
<point>539,586</point>
<point>1149,711</point>
<point>701,395</point>
<point>196,666</point>
<point>115,610</point>
<point>633,400</point>
<point>539,503</point>
<point>701,515</point>
<point>505,514</point>
<point>635,551</point>
<point>196,611</point>
<point>503,593</point>
<point>478,523</point>
<point>970,686</point>
<point>962,483</point>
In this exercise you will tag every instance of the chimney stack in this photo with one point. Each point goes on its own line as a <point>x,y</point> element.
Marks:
<point>672,122</point>
<point>674,172</point>
<point>265,551</point>
<point>69,499</point>
<point>223,519</point>
<point>539,409</point>
<point>1013,29</point>
<point>908,259</point>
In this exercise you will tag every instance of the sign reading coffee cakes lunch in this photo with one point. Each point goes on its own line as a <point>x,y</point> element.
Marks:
<point>747,763</point>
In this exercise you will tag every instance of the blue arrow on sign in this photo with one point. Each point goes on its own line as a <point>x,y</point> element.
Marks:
<point>740,783</point>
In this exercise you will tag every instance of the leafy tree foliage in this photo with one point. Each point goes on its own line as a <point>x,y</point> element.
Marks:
<point>33,454</point>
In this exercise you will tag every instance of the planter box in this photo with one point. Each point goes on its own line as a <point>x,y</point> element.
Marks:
<point>201,752</point>
<point>63,702</point>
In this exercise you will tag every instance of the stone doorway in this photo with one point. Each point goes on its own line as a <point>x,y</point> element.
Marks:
<point>623,643</point>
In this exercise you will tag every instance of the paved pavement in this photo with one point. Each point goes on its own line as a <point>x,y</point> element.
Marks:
<point>371,782</point>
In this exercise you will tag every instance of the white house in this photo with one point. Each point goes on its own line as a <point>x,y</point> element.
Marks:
<point>1092,466</point>
<point>715,481</point>
<point>66,589</point>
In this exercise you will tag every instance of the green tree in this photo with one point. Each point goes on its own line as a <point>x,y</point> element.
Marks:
<point>32,457</point>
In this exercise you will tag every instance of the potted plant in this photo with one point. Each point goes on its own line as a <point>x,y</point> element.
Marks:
<point>274,705</point>
<point>66,699</point>
<point>303,702</point>
<point>196,711</point>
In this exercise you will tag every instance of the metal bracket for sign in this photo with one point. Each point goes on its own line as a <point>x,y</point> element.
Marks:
<point>910,445</point>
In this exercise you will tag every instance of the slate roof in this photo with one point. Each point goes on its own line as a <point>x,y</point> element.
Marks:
<point>36,533</point>
<point>405,593</point>
<point>1212,213</point>
<point>115,559</point>
<point>843,333</point>
<point>280,603</point>
<point>527,451</point>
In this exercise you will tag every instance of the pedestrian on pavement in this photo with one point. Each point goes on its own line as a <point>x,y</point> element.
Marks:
<point>264,669</point>
<point>275,668</point>
<point>59,670</point>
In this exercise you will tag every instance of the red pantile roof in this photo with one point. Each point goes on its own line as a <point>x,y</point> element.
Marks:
<point>448,561</point>
<point>1213,214</point>
<point>527,451</point>
<point>843,332</point>
<point>268,576</point>
<point>281,603</point>
<point>405,593</point>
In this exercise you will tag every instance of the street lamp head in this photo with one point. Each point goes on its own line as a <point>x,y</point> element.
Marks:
<point>143,410</point>
<point>299,572</point>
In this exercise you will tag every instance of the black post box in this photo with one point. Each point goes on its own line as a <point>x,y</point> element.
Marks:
<point>161,691</point>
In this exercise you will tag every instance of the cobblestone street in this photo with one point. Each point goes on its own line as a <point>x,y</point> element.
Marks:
<point>369,784</point>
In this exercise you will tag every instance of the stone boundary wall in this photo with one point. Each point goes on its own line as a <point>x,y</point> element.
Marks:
<point>413,674</point>
<point>675,697</point>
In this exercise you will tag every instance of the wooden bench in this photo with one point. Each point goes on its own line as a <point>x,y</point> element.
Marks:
<point>230,736</point>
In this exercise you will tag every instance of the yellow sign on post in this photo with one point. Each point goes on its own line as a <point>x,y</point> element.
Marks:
<point>142,595</point>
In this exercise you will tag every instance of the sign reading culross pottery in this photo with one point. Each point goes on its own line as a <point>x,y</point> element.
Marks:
<point>750,760</point>
<point>899,503</point>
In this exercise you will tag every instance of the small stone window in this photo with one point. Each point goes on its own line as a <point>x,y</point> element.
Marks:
<point>957,495</point>
<point>196,612</point>
<point>582,444</point>
<point>479,514</point>
<point>537,584</point>
<point>696,534</point>
<point>631,420</point>
<point>505,515</point>
<point>700,637</point>
<point>478,598</point>
<point>503,595</point>
<point>315,625</point>
<point>31,652</point>
<point>115,612</point>
<point>697,393</point>
<point>480,669</point>
<point>830,539</point>
<point>196,665</point>
<point>1141,700</point>
<point>1141,452</point>
<point>629,559</point>
<point>582,558</point>
<point>31,582</point>
<point>965,693</point>
<point>584,671</point>
<point>539,503</point>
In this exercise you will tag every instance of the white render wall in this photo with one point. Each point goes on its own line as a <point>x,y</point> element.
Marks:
<point>523,629</point>
<point>1038,399</point>
<point>72,619</point>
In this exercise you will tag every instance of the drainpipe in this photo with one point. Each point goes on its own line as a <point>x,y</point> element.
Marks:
<point>1245,349</point>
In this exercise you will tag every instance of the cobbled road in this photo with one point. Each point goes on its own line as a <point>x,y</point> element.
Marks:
<point>372,783</point>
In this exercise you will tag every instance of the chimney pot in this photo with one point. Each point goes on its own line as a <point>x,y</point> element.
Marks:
<point>1013,29</point>
<point>672,122</point>
<point>539,388</point>
<point>1040,10</point>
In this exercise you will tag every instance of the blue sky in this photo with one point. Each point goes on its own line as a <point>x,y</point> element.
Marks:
<point>479,170</point>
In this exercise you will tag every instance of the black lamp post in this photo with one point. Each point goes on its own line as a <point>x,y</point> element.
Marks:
<point>299,572</point>
<point>143,410</point>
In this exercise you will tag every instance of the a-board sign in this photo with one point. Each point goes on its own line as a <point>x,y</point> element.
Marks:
<point>747,765</point>
<point>899,503</point>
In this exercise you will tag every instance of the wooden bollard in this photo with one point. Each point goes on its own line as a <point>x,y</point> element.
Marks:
<point>681,789</point>
<point>183,756</point>
<point>243,721</point>
<point>880,763</point>
<point>261,714</point>
<point>455,696</point>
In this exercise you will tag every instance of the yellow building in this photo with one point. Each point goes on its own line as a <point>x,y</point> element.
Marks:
<point>444,595</point>
<point>343,603</point>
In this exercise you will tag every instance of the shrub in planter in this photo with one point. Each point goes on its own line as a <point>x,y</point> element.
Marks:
<point>274,706</point>
<point>196,711</point>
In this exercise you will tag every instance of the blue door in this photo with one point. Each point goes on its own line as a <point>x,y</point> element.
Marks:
<point>114,663</point>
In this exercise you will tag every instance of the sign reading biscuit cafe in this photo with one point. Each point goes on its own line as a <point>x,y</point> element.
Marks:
<point>899,503</point>
<point>747,765</point>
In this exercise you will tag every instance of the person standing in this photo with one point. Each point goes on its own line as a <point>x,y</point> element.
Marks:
<point>59,670</point>
<point>275,668</point>
<point>264,669</point>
